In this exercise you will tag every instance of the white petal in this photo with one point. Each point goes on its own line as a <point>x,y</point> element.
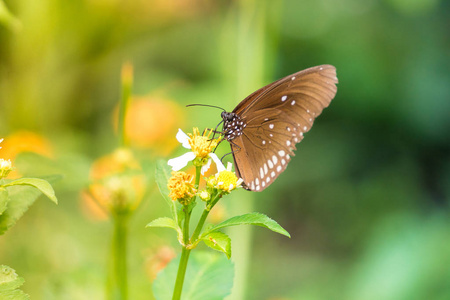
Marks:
<point>1,140</point>
<point>180,162</point>
<point>229,167</point>
<point>239,182</point>
<point>220,166</point>
<point>206,167</point>
<point>183,138</point>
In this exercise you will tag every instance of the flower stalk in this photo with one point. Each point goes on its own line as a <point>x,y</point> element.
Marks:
<point>183,189</point>
<point>127,85</point>
<point>118,278</point>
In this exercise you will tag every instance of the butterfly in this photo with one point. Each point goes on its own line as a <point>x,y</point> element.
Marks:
<point>265,127</point>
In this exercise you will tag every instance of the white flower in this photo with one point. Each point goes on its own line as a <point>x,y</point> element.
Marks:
<point>227,179</point>
<point>180,162</point>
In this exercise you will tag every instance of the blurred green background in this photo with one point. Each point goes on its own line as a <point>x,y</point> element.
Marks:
<point>366,198</point>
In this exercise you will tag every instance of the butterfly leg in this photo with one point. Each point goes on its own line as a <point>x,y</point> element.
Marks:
<point>214,135</point>
<point>238,148</point>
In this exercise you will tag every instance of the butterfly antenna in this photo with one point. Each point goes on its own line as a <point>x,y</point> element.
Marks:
<point>206,106</point>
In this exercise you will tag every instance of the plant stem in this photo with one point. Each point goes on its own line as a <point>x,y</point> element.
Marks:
<point>127,84</point>
<point>202,220</point>
<point>184,250</point>
<point>200,224</point>
<point>181,273</point>
<point>118,287</point>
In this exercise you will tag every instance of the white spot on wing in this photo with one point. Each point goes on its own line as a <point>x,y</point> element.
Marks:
<point>288,143</point>
<point>293,102</point>
<point>270,163</point>
<point>283,98</point>
<point>272,174</point>
<point>278,169</point>
<point>271,126</point>
<point>275,159</point>
<point>281,153</point>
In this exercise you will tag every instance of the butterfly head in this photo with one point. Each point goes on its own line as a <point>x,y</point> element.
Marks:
<point>233,125</point>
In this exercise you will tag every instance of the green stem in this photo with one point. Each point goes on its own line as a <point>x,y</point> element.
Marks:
<point>202,220</point>
<point>200,224</point>
<point>181,273</point>
<point>127,84</point>
<point>118,288</point>
<point>184,250</point>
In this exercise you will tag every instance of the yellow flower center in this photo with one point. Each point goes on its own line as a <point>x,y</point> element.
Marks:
<point>181,187</point>
<point>202,145</point>
<point>227,181</point>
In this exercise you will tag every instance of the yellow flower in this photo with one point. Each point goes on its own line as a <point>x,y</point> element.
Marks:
<point>201,146</point>
<point>118,182</point>
<point>227,180</point>
<point>149,122</point>
<point>181,187</point>
<point>5,167</point>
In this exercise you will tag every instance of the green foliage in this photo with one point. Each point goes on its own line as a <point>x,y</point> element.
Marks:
<point>257,219</point>
<point>167,223</point>
<point>218,241</point>
<point>20,195</point>
<point>208,276</point>
<point>9,284</point>
<point>3,200</point>
<point>163,173</point>
<point>40,184</point>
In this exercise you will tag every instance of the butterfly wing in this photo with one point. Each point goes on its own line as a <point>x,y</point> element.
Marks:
<point>277,116</point>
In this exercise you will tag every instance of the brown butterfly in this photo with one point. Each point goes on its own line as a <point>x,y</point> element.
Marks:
<point>264,128</point>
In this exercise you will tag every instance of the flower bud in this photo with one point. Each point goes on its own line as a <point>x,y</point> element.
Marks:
<point>204,195</point>
<point>5,167</point>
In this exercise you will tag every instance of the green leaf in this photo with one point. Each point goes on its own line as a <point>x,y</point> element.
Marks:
<point>4,198</point>
<point>257,219</point>
<point>219,241</point>
<point>38,183</point>
<point>208,276</point>
<point>165,222</point>
<point>21,197</point>
<point>163,173</point>
<point>9,284</point>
